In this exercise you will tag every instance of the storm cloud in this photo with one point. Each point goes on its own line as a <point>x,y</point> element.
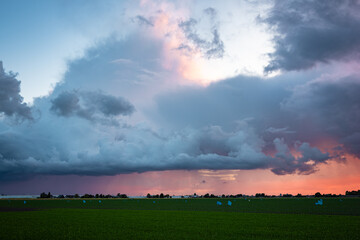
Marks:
<point>211,134</point>
<point>333,107</point>
<point>11,102</point>
<point>310,32</point>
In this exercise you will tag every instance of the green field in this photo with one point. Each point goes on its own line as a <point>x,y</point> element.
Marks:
<point>180,219</point>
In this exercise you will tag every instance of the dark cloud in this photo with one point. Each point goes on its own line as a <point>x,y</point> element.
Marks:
<point>210,48</point>
<point>311,32</point>
<point>332,106</point>
<point>66,104</point>
<point>287,163</point>
<point>11,102</point>
<point>311,111</point>
<point>88,104</point>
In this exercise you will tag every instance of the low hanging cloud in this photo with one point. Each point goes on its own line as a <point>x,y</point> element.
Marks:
<point>11,102</point>
<point>89,104</point>
<point>310,32</point>
<point>140,150</point>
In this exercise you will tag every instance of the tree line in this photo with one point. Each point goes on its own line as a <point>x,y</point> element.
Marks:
<point>207,195</point>
<point>49,195</point>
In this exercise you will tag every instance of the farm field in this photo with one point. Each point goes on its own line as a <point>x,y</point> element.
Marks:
<point>180,219</point>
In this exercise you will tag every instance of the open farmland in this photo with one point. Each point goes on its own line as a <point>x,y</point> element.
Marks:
<point>180,218</point>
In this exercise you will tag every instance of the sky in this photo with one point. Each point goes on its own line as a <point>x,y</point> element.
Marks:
<point>138,97</point>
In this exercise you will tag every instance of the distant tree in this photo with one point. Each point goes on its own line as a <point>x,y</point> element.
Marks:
<point>86,195</point>
<point>161,195</point>
<point>61,196</point>
<point>223,196</point>
<point>76,195</point>
<point>43,195</point>
<point>49,195</point>
<point>353,193</point>
<point>148,195</point>
<point>206,195</point>
<point>260,195</point>
<point>317,194</point>
<point>122,196</point>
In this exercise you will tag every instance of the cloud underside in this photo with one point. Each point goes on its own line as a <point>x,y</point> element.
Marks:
<point>210,148</point>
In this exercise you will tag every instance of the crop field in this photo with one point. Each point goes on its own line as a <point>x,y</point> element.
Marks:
<point>180,219</point>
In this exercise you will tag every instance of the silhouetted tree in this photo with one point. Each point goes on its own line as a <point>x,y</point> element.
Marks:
<point>317,194</point>
<point>43,195</point>
<point>260,195</point>
<point>353,193</point>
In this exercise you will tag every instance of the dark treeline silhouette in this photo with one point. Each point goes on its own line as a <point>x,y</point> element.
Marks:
<point>44,195</point>
<point>353,193</point>
<point>158,196</point>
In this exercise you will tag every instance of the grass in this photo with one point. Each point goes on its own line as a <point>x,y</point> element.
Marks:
<point>177,219</point>
<point>332,206</point>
